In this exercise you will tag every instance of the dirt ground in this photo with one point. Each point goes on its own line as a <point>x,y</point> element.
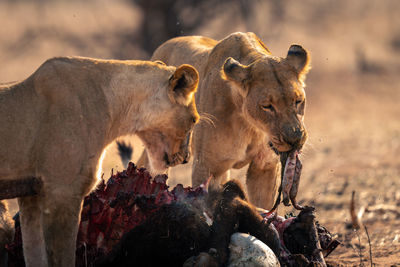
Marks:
<point>353,96</point>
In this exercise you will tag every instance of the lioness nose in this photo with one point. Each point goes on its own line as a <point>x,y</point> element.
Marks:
<point>294,136</point>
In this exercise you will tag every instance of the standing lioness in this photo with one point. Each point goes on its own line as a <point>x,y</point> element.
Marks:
<point>56,123</point>
<point>255,100</point>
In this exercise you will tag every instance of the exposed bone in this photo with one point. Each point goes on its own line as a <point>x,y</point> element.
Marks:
<point>246,250</point>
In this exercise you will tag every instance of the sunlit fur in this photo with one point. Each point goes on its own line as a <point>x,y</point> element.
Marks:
<point>60,119</point>
<point>239,80</point>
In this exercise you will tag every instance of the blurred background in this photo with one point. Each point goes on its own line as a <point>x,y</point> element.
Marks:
<point>353,89</point>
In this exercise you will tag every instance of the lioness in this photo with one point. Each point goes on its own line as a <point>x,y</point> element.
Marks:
<point>56,123</point>
<point>256,102</point>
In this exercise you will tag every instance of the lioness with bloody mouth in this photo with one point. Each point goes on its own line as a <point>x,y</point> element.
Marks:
<point>256,102</point>
<point>56,123</point>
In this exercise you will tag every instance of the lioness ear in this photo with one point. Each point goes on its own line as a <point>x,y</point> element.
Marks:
<point>299,59</point>
<point>183,84</point>
<point>235,72</point>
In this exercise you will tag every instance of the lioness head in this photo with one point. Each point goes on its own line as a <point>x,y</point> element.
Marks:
<point>172,114</point>
<point>271,94</point>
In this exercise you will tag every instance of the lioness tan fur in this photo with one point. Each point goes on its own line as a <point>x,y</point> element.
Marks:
<point>56,123</point>
<point>254,99</point>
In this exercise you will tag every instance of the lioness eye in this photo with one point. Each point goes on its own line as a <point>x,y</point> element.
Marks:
<point>268,107</point>
<point>298,102</point>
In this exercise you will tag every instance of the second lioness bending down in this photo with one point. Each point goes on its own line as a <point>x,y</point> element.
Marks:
<point>56,123</point>
<point>254,100</point>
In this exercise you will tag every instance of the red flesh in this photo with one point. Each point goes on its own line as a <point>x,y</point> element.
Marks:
<point>288,176</point>
<point>127,199</point>
<point>296,182</point>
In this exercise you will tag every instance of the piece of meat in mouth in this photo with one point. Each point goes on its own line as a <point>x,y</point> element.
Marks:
<point>290,179</point>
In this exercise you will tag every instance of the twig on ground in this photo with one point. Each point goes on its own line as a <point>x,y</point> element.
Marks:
<point>355,217</point>
<point>359,247</point>
<point>370,248</point>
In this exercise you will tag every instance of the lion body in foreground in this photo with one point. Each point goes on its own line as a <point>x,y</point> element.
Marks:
<point>57,122</point>
<point>255,100</point>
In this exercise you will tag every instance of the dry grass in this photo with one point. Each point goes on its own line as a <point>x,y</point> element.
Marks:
<point>353,92</point>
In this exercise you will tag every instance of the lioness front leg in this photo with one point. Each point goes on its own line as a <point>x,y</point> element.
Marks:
<point>32,232</point>
<point>60,217</point>
<point>262,182</point>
